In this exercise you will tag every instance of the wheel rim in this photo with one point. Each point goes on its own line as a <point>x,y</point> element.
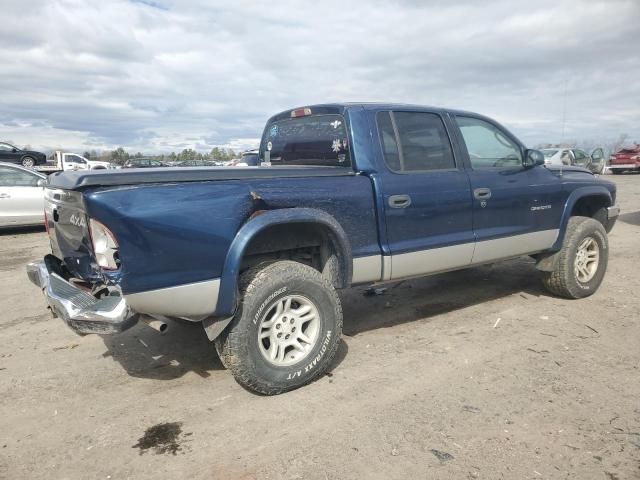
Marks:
<point>288,330</point>
<point>27,162</point>
<point>587,260</point>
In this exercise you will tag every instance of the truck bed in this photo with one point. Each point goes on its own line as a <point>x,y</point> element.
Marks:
<point>79,180</point>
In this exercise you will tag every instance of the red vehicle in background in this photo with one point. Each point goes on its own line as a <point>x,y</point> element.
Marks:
<point>625,159</point>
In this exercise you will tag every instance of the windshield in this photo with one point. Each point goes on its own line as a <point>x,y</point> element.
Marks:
<point>549,153</point>
<point>310,140</point>
<point>251,159</point>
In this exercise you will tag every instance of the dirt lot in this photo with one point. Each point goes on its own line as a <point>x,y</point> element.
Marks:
<point>474,374</point>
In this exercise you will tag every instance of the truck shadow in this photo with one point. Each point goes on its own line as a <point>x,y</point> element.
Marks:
<point>6,231</point>
<point>632,218</point>
<point>427,297</point>
<point>145,353</point>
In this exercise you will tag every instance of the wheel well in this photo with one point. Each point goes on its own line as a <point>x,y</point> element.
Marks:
<point>590,206</point>
<point>308,243</point>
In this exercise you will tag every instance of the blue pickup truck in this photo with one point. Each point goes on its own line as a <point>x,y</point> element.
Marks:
<point>344,194</point>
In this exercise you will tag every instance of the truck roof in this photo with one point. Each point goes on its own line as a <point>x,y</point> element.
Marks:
<point>341,107</point>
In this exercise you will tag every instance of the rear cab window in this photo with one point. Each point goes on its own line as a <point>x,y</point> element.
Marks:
<point>414,142</point>
<point>306,140</point>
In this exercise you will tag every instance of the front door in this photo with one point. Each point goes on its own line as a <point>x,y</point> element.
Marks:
<point>427,197</point>
<point>506,200</point>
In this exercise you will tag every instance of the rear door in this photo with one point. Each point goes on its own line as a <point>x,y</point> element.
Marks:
<point>506,196</point>
<point>426,194</point>
<point>21,198</point>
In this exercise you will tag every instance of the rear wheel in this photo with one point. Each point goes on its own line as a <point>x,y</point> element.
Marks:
<point>582,261</point>
<point>286,331</point>
<point>28,162</point>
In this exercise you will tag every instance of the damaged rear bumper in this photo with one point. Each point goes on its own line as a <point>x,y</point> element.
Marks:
<point>80,310</point>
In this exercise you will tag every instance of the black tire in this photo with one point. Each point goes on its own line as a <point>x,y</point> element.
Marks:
<point>563,281</point>
<point>28,162</point>
<point>262,288</point>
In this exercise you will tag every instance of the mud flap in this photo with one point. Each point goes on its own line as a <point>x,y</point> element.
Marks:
<point>547,262</point>
<point>214,326</point>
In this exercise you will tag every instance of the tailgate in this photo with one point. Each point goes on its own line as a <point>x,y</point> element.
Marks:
<point>68,227</point>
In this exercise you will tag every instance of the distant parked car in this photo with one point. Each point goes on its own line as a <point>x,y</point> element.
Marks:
<point>21,196</point>
<point>196,163</point>
<point>576,157</point>
<point>143,163</point>
<point>625,160</point>
<point>247,159</point>
<point>26,158</point>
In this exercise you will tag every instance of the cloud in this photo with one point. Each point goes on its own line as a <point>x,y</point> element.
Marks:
<point>164,75</point>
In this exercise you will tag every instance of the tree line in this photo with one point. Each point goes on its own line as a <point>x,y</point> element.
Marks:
<point>119,156</point>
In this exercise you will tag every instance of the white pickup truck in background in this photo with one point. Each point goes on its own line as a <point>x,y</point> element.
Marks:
<point>71,161</point>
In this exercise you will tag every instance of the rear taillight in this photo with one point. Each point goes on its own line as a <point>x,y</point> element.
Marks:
<point>105,246</point>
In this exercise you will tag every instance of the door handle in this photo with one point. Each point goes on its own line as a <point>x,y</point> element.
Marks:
<point>399,201</point>
<point>482,193</point>
<point>5,195</point>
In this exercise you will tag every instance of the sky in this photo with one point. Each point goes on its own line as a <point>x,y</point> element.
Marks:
<point>159,76</point>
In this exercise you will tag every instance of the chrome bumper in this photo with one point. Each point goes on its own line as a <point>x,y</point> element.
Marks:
<point>83,312</point>
<point>613,212</point>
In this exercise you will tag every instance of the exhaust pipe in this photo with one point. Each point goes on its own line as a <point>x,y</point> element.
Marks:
<point>158,325</point>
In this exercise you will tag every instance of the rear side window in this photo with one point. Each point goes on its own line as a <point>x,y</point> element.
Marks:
<point>414,142</point>
<point>319,140</point>
<point>487,145</point>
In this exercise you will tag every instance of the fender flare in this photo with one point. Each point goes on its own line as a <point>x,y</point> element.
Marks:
<point>228,294</point>
<point>577,194</point>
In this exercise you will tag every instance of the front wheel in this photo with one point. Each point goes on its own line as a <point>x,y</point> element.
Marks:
<point>582,260</point>
<point>28,162</point>
<point>286,331</point>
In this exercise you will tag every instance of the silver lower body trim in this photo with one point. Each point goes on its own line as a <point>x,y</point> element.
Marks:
<point>430,261</point>
<point>367,269</point>
<point>193,301</point>
<point>507,247</point>
<point>436,260</point>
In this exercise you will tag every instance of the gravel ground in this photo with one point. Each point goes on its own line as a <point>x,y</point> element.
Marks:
<point>472,374</point>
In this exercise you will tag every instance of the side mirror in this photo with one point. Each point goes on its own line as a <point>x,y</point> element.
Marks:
<point>533,158</point>
<point>41,182</point>
<point>14,149</point>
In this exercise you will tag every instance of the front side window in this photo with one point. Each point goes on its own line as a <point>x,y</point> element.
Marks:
<point>13,177</point>
<point>6,147</point>
<point>319,140</point>
<point>487,145</point>
<point>414,142</point>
